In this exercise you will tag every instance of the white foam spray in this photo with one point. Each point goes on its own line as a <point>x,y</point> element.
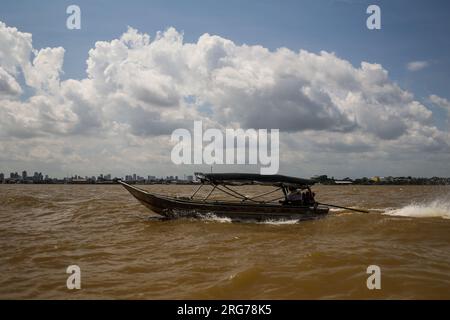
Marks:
<point>212,217</point>
<point>280,222</point>
<point>438,208</point>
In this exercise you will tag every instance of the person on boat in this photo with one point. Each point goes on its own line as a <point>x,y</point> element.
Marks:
<point>294,195</point>
<point>314,202</point>
<point>310,197</point>
<point>304,197</point>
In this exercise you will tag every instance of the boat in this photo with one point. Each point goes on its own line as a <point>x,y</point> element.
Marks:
<point>244,208</point>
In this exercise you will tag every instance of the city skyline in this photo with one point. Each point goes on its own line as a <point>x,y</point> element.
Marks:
<point>39,177</point>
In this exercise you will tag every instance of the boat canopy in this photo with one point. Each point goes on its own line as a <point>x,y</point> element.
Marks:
<point>252,178</point>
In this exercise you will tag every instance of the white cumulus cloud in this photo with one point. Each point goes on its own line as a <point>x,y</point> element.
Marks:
<point>138,89</point>
<point>417,65</point>
<point>439,101</point>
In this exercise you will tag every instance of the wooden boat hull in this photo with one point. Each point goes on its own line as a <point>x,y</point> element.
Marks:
<point>176,207</point>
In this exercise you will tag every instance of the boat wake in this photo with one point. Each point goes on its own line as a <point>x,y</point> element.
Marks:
<point>212,217</point>
<point>336,210</point>
<point>280,222</point>
<point>438,208</point>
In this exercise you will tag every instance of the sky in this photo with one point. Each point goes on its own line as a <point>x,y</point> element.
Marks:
<point>348,101</point>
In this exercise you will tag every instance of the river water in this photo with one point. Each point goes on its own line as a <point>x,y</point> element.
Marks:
<point>125,253</point>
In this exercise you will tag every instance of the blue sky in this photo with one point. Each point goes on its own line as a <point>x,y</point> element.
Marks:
<point>411,31</point>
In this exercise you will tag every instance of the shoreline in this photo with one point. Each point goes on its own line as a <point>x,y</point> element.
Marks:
<point>196,184</point>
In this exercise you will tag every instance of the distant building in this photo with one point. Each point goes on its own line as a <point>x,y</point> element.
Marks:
<point>375,179</point>
<point>37,177</point>
<point>79,180</point>
<point>343,182</point>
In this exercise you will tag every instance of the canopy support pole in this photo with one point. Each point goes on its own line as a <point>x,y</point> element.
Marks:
<point>284,192</point>
<point>264,194</point>
<point>230,194</point>
<point>198,189</point>
<point>243,197</point>
<point>210,193</point>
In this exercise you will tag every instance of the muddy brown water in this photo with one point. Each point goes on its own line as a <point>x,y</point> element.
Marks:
<point>125,253</point>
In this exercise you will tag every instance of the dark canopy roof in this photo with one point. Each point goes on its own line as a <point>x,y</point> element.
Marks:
<point>252,178</point>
